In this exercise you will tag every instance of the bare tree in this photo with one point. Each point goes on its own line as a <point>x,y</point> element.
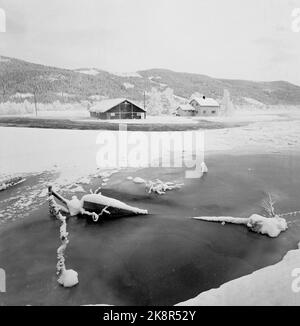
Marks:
<point>268,206</point>
<point>35,92</point>
<point>63,84</point>
<point>154,104</point>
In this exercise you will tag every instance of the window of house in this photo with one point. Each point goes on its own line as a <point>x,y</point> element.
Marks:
<point>213,112</point>
<point>113,114</point>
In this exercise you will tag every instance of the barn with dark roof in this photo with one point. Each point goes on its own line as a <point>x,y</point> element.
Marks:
<point>117,109</point>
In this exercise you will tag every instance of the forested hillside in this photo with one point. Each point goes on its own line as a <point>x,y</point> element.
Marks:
<point>21,80</point>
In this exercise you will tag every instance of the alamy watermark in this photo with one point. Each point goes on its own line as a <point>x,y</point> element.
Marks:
<point>2,281</point>
<point>137,149</point>
<point>295,25</point>
<point>296,281</point>
<point>2,21</point>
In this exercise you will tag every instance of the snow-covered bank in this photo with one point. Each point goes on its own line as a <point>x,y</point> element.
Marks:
<point>274,285</point>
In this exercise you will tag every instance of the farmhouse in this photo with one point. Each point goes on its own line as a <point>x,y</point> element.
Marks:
<point>185,110</point>
<point>117,109</point>
<point>205,106</point>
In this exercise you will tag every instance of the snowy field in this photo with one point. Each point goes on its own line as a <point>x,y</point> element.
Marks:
<point>73,152</point>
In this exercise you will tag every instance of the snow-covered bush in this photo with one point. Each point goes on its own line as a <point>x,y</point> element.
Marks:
<point>66,277</point>
<point>159,187</point>
<point>76,206</point>
<point>269,226</point>
<point>272,224</point>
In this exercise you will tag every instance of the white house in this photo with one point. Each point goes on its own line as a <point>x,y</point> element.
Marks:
<point>205,106</point>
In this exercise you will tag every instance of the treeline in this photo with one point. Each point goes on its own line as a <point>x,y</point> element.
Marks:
<point>26,107</point>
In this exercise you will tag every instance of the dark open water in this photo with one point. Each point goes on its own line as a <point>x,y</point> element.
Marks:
<point>163,258</point>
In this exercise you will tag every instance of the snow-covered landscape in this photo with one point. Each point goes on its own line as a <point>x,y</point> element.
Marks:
<point>149,155</point>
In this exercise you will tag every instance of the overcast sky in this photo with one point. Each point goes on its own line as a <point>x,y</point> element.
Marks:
<point>247,39</point>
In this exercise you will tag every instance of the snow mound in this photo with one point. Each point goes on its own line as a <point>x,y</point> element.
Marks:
<point>159,187</point>
<point>74,206</point>
<point>269,226</point>
<point>204,168</point>
<point>138,180</point>
<point>68,278</point>
<point>107,174</point>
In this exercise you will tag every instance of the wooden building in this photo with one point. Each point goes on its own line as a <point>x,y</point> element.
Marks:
<point>117,109</point>
<point>185,110</point>
<point>205,106</point>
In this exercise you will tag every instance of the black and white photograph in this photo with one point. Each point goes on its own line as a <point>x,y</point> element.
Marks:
<point>149,155</point>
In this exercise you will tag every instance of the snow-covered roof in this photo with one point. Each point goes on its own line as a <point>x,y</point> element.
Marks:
<point>207,101</point>
<point>186,107</point>
<point>106,105</point>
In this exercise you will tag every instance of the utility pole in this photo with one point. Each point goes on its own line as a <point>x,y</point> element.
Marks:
<point>35,99</point>
<point>3,86</point>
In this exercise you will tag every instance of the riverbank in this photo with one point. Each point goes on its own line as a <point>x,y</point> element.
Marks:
<point>62,123</point>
